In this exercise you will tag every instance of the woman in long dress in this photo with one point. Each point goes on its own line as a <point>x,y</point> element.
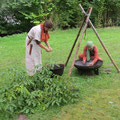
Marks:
<point>34,39</point>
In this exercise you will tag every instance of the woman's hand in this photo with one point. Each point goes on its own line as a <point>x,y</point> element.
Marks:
<point>50,49</point>
<point>47,49</point>
<point>84,61</point>
<point>91,64</point>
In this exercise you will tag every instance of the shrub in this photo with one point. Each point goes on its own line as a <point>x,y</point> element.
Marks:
<point>24,93</point>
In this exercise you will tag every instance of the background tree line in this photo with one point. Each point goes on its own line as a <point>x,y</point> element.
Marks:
<point>20,15</point>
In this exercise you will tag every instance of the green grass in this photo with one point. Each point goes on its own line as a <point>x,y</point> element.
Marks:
<point>100,98</point>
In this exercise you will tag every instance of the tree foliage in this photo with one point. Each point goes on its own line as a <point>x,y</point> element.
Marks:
<point>21,15</point>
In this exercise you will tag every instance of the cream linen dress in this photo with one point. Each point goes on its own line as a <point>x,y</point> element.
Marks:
<point>33,61</point>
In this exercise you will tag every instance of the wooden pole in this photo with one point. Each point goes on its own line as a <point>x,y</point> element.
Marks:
<point>86,23</point>
<point>75,42</point>
<point>94,29</point>
<point>76,39</point>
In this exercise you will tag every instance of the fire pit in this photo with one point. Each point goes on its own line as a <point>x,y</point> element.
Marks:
<point>79,65</point>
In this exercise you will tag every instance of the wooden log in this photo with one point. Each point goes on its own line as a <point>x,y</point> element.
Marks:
<point>94,29</point>
<point>76,40</point>
<point>86,23</point>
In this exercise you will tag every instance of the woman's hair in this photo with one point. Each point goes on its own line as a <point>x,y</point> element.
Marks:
<point>48,24</point>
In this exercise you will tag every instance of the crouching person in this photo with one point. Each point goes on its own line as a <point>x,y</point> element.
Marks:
<point>90,52</point>
<point>34,39</point>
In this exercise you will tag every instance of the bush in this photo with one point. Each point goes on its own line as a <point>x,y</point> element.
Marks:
<point>24,93</point>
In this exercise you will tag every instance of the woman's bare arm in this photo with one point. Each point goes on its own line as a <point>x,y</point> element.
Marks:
<point>48,45</point>
<point>42,46</point>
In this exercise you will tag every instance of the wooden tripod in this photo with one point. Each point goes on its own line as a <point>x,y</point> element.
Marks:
<point>86,20</point>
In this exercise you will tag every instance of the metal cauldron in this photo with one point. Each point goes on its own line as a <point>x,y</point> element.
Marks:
<point>79,65</point>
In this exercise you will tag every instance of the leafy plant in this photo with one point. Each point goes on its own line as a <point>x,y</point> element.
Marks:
<point>24,93</point>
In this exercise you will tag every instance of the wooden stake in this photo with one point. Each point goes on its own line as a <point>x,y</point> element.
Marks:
<point>86,23</point>
<point>94,29</point>
<point>75,42</point>
<point>76,39</point>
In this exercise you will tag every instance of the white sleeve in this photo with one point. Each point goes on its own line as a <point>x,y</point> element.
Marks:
<point>37,35</point>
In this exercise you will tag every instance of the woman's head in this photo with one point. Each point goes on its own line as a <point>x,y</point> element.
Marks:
<point>47,25</point>
<point>90,45</point>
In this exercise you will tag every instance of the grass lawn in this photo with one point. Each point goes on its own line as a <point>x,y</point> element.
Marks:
<point>100,95</point>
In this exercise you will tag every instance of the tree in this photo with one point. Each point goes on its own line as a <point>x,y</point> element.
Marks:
<point>21,15</point>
